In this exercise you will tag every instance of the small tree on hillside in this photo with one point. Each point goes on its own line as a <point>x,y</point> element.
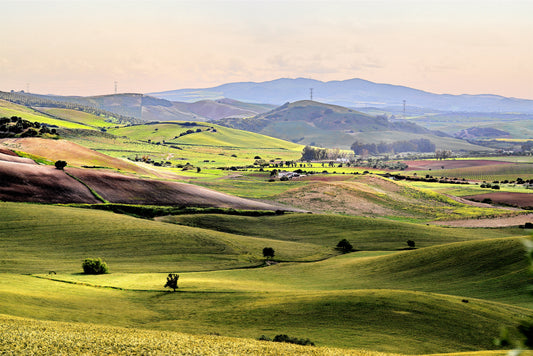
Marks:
<point>172,281</point>
<point>344,246</point>
<point>60,164</point>
<point>268,252</point>
<point>94,266</point>
<point>411,243</point>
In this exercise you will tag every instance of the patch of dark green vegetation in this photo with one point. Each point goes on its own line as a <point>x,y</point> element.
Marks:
<point>15,126</point>
<point>288,339</point>
<point>150,212</point>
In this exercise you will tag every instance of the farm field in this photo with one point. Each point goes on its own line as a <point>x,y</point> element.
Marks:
<point>476,170</point>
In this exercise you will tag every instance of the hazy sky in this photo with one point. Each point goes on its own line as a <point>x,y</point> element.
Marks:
<point>82,47</point>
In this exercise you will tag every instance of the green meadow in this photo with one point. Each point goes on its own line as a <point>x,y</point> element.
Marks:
<point>382,298</point>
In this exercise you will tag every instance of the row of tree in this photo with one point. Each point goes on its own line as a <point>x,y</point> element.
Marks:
<point>310,153</point>
<point>416,145</point>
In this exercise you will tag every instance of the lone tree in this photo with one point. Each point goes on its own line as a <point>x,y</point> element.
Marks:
<point>172,281</point>
<point>60,164</point>
<point>411,243</point>
<point>344,246</point>
<point>268,252</point>
<point>94,266</point>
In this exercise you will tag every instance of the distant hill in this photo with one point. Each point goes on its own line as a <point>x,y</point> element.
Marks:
<point>142,107</point>
<point>481,132</point>
<point>350,93</point>
<point>318,124</point>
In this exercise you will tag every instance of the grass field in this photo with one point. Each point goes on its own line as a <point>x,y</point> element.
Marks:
<point>8,109</point>
<point>382,299</point>
<point>80,117</point>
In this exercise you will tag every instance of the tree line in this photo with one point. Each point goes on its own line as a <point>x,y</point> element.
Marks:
<point>416,145</point>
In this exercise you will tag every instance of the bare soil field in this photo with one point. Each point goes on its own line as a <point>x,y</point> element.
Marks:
<point>492,222</point>
<point>22,182</point>
<point>363,196</point>
<point>521,200</point>
<point>423,165</point>
<point>74,154</point>
<point>118,188</point>
<point>14,158</point>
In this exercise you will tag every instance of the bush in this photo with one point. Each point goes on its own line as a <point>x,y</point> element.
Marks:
<point>60,164</point>
<point>94,266</point>
<point>344,246</point>
<point>172,281</point>
<point>292,340</point>
<point>268,252</point>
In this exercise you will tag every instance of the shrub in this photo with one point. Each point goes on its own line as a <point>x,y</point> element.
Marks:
<point>94,266</point>
<point>60,164</point>
<point>344,246</point>
<point>411,243</point>
<point>268,252</point>
<point>172,281</point>
<point>292,340</point>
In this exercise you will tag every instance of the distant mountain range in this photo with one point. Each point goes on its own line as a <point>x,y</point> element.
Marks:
<point>354,93</point>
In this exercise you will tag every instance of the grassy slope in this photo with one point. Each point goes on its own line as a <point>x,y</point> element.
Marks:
<point>328,230</point>
<point>36,239</point>
<point>8,109</point>
<point>79,117</point>
<point>27,336</point>
<point>304,133</point>
<point>336,302</point>
<point>222,137</point>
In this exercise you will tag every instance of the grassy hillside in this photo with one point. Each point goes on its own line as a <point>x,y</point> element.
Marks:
<point>38,238</point>
<point>8,109</point>
<point>367,234</point>
<point>203,135</point>
<point>27,336</point>
<point>380,301</point>
<point>80,117</point>
<point>317,124</point>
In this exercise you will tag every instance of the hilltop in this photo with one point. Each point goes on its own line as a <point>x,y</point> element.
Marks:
<point>319,124</point>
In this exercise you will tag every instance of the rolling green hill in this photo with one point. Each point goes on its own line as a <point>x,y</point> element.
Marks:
<point>368,234</point>
<point>202,135</point>
<point>35,238</point>
<point>8,109</point>
<point>380,301</point>
<point>317,124</point>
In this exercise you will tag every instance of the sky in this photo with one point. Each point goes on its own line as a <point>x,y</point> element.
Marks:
<point>82,47</point>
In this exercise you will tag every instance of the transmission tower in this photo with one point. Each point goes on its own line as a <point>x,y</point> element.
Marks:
<point>311,93</point>
<point>116,86</point>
